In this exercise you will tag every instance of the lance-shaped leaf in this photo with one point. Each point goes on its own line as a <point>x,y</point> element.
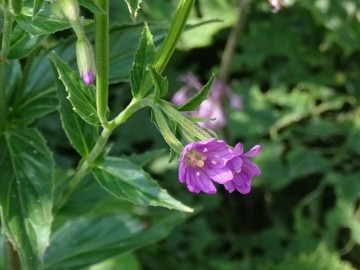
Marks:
<point>124,42</point>
<point>87,240</point>
<point>161,83</point>
<point>22,43</point>
<point>81,96</point>
<point>44,22</point>
<point>133,6</point>
<point>199,97</point>
<point>145,55</point>
<point>127,181</point>
<point>82,136</point>
<point>26,183</point>
<point>38,4</point>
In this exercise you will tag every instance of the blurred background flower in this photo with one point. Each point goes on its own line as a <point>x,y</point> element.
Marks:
<point>212,109</point>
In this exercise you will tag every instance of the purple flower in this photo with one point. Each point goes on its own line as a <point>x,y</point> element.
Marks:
<point>88,77</point>
<point>243,169</point>
<point>203,162</point>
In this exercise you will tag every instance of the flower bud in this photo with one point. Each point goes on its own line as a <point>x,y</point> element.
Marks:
<point>85,60</point>
<point>71,9</point>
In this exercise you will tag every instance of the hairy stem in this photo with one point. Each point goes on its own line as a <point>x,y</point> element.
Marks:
<point>5,47</point>
<point>102,60</point>
<point>233,40</point>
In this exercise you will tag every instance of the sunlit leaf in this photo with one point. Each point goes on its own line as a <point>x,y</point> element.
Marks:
<point>144,56</point>
<point>81,96</point>
<point>82,136</point>
<point>26,193</point>
<point>127,181</point>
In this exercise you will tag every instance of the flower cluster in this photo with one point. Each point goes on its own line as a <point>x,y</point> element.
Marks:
<point>210,160</point>
<point>212,107</point>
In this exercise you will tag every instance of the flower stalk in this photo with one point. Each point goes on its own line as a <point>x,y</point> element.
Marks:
<point>102,60</point>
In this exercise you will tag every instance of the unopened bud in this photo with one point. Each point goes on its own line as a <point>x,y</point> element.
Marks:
<point>85,60</point>
<point>71,9</point>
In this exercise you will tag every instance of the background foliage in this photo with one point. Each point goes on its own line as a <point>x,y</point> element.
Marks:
<point>297,71</point>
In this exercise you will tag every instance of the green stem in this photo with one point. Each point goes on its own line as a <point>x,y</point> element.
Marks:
<point>5,47</point>
<point>102,60</point>
<point>84,167</point>
<point>168,46</point>
<point>87,163</point>
<point>176,28</point>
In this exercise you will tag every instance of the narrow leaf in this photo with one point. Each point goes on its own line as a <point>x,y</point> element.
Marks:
<point>87,240</point>
<point>127,181</point>
<point>38,4</point>
<point>82,136</point>
<point>124,42</point>
<point>199,97</point>
<point>81,96</point>
<point>90,5</point>
<point>22,43</point>
<point>26,167</point>
<point>144,56</point>
<point>15,6</point>
<point>44,22</point>
<point>133,6</point>
<point>161,83</point>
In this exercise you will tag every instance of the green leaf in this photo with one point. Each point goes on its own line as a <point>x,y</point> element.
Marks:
<point>161,83</point>
<point>15,6</point>
<point>26,167</point>
<point>38,4</point>
<point>199,97</point>
<point>127,181</point>
<point>124,42</point>
<point>144,56</point>
<point>38,96</point>
<point>133,6</point>
<point>87,240</point>
<point>43,23</point>
<point>13,76</point>
<point>90,5</point>
<point>22,43</point>
<point>81,96</point>
<point>82,136</point>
